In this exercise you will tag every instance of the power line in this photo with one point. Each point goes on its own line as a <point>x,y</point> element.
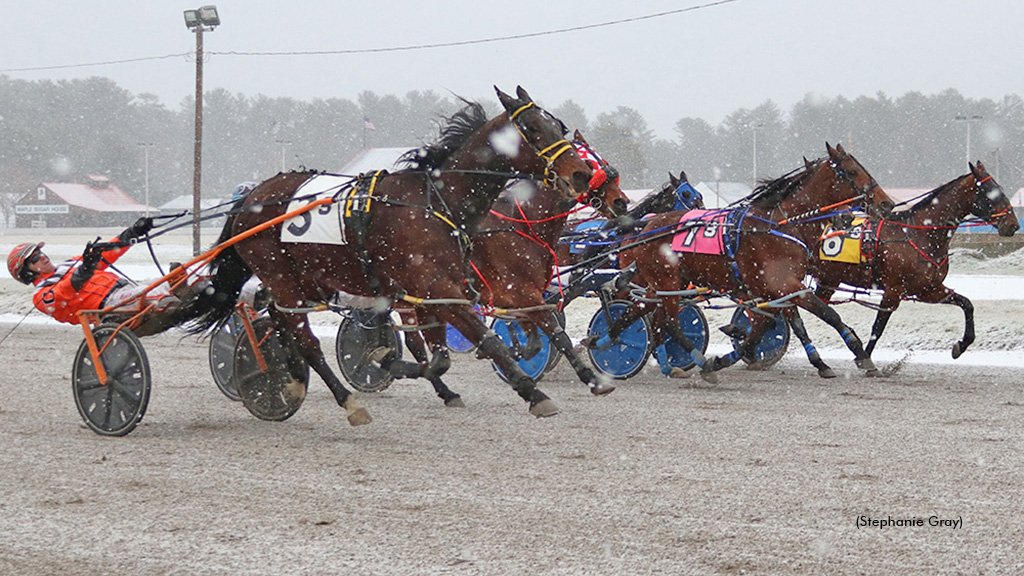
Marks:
<point>393,48</point>
<point>482,40</point>
<point>127,61</point>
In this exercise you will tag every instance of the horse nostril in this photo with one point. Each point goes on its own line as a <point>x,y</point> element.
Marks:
<point>620,206</point>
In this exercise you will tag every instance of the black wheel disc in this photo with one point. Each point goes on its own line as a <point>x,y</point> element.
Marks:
<point>222,356</point>
<point>276,393</point>
<point>114,408</point>
<point>359,334</point>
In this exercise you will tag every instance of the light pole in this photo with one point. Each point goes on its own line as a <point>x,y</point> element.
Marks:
<point>754,128</point>
<point>145,149</point>
<point>967,120</point>
<point>283,143</point>
<point>199,20</point>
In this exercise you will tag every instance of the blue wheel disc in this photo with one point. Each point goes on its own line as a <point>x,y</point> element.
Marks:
<point>535,366</point>
<point>772,346</point>
<point>627,356</point>
<point>695,327</point>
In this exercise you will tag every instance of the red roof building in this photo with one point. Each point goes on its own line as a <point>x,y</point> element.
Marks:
<point>96,202</point>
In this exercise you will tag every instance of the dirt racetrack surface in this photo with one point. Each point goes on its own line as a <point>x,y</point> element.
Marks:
<point>766,473</point>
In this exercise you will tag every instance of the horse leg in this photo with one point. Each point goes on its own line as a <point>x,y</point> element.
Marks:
<point>819,308</point>
<point>465,320</point>
<point>888,305</point>
<point>759,324</point>
<point>797,324</point>
<point>430,368</point>
<point>440,361</point>
<point>297,327</point>
<point>668,313</point>
<point>548,322</point>
<point>947,296</point>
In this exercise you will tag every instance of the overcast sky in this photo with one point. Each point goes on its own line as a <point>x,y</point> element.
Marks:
<point>704,63</point>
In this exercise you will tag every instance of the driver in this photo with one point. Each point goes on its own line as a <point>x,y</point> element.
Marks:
<point>83,282</point>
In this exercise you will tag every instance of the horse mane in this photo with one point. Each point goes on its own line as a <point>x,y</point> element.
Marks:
<point>926,200</point>
<point>455,131</point>
<point>647,203</point>
<point>771,192</point>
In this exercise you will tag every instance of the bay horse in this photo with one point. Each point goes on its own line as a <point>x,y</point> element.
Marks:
<point>406,237</point>
<point>908,253</point>
<point>765,257</point>
<point>513,260</point>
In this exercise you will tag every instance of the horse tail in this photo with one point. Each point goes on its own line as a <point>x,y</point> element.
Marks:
<point>216,302</point>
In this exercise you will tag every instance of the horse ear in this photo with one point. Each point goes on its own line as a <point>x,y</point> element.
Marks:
<point>522,94</point>
<point>807,163</point>
<point>980,167</point>
<point>832,153</point>
<point>505,99</point>
<point>682,177</point>
<point>577,136</point>
<point>673,180</point>
<point>839,148</point>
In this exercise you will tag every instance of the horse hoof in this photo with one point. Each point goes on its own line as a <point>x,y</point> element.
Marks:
<point>957,350</point>
<point>874,373</point>
<point>677,372</point>
<point>377,355</point>
<point>827,373</point>
<point>545,408</point>
<point>865,364</point>
<point>709,377</point>
<point>357,415</point>
<point>455,402</point>
<point>602,389</point>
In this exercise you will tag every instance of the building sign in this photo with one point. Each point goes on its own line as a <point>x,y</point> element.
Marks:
<point>42,209</point>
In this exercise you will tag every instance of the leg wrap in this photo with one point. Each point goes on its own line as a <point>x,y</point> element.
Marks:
<point>439,364</point>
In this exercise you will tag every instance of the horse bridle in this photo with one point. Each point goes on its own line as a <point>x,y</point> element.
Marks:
<point>603,173</point>
<point>550,154</point>
<point>867,192</point>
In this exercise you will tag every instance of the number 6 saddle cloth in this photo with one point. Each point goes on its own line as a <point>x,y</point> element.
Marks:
<point>853,241</point>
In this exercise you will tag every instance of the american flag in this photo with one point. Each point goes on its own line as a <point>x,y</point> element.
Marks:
<point>367,124</point>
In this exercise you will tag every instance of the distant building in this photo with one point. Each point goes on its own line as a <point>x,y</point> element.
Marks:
<point>183,205</point>
<point>97,202</point>
<point>722,194</point>
<point>371,159</point>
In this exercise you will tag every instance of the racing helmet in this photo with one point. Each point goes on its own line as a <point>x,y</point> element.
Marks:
<point>17,261</point>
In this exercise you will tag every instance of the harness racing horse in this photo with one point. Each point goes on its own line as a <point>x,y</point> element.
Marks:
<point>762,256</point>
<point>406,237</point>
<point>513,259</point>
<point>907,254</point>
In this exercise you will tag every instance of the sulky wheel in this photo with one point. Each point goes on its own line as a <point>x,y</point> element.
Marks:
<point>772,346</point>
<point>360,333</point>
<point>626,357</point>
<point>114,408</point>
<point>695,327</point>
<point>277,392</point>
<point>513,336</point>
<point>222,356</point>
<point>457,342</point>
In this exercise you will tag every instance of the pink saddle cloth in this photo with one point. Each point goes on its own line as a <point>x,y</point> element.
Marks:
<point>700,232</point>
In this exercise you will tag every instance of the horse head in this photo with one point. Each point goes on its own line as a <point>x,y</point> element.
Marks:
<point>852,173</point>
<point>990,203</point>
<point>604,195</point>
<point>548,150</point>
<point>686,196</point>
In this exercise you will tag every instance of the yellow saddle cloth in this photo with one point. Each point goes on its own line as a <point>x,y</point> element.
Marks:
<point>843,245</point>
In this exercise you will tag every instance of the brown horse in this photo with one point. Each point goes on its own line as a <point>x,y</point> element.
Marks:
<point>907,254</point>
<point>513,258</point>
<point>406,236</point>
<point>764,257</point>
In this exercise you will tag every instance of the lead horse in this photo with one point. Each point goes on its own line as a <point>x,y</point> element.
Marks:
<point>513,258</point>
<point>764,257</point>
<point>907,254</point>
<point>406,237</point>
